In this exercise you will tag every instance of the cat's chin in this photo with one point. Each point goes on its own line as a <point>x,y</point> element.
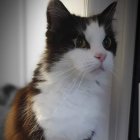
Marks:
<point>98,69</point>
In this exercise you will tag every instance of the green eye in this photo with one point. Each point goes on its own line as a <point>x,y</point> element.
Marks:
<point>80,42</point>
<point>107,42</point>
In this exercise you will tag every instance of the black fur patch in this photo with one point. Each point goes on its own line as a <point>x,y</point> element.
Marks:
<point>105,19</point>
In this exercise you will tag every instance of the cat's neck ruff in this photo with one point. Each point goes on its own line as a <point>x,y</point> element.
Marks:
<point>72,103</point>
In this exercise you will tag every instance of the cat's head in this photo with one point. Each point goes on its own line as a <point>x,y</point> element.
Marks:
<point>85,43</point>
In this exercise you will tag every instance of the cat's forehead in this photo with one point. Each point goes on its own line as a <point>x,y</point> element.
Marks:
<point>94,31</point>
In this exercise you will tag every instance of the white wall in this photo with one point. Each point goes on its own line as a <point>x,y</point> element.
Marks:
<point>97,6</point>
<point>120,107</point>
<point>10,58</point>
<point>36,24</point>
<point>78,7</point>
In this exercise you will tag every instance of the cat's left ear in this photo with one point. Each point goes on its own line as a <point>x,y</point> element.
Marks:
<point>57,13</point>
<point>107,15</point>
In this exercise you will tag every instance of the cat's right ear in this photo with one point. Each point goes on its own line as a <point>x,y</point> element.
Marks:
<point>56,14</point>
<point>107,15</point>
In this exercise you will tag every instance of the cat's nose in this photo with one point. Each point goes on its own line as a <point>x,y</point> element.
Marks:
<point>100,56</point>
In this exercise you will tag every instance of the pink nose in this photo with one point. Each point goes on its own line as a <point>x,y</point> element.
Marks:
<point>100,56</point>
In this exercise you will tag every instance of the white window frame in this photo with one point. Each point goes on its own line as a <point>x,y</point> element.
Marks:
<point>122,82</point>
<point>121,97</point>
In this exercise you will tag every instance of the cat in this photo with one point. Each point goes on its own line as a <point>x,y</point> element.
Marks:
<point>68,97</point>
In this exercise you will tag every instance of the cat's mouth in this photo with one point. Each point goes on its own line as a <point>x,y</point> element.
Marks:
<point>102,68</point>
<point>99,68</point>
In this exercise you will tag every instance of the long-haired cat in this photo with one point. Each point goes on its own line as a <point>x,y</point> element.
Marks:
<point>68,97</point>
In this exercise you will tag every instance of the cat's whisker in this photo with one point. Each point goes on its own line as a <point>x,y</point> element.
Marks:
<point>75,82</point>
<point>63,61</point>
<point>114,72</point>
<point>81,76</point>
<point>68,73</point>
<point>81,80</point>
<point>90,68</point>
<point>114,75</point>
<point>73,89</point>
<point>85,67</point>
<point>62,73</point>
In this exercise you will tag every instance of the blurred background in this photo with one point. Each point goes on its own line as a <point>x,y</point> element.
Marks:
<point>22,40</point>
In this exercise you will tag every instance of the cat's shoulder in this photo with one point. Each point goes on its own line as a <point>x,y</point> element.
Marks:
<point>21,123</point>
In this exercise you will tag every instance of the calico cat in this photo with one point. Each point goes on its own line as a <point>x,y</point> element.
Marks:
<point>68,97</point>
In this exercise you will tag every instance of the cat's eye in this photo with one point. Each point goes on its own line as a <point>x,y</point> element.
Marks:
<point>80,42</point>
<point>107,42</point>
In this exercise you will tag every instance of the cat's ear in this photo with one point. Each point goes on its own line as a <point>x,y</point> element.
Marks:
<point>56,14</point>
<point>107,15</point>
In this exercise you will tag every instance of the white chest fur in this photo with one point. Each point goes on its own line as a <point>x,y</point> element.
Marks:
<point>72,109</point>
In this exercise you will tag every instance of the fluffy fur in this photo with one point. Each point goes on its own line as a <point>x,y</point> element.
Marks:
<point>69,96</point>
